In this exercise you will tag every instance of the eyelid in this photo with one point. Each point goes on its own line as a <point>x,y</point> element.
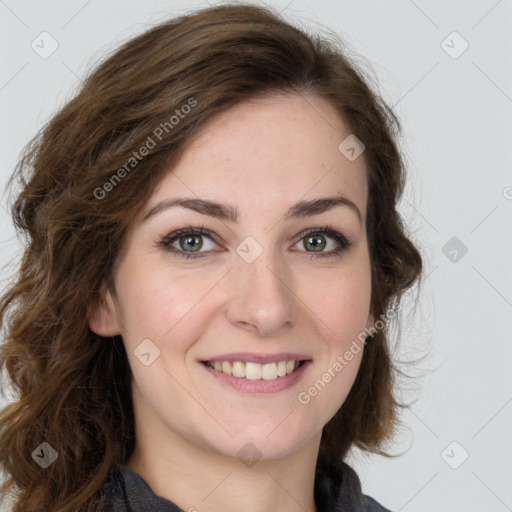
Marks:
<point>343,241</point>
<point>166,240</point>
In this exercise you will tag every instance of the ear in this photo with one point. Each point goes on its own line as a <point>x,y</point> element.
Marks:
<point>103,315</point>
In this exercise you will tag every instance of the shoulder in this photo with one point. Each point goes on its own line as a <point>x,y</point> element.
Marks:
<point>371,505</point>
<point>351,483</point>
<point>114,493</point>
<point>127,491</point>
<point>338,487</point>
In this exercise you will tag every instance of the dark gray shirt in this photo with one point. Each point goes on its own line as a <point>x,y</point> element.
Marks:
<point>337,489</point>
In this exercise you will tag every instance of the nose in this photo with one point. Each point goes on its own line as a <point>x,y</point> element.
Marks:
<point>261,297</point>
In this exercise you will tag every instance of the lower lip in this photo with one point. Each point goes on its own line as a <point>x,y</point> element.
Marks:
<point>259,385</point>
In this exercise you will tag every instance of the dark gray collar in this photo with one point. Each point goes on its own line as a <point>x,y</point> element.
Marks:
<point>337,489</point>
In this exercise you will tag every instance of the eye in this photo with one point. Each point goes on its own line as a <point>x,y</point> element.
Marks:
<point>198,242</point>
<point>189,242</point>
<point>323,241</point>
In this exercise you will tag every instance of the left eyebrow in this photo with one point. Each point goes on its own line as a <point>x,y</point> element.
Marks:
<point>230,213</point>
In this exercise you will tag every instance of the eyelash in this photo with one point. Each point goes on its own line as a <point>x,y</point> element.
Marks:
<point>167,239</point>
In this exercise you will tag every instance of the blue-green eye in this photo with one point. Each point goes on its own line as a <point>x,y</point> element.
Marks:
<point>188,242</point>
<point>324,241</point>
<point>198,242</point>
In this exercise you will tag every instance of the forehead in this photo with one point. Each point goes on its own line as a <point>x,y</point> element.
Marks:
<point>268,151</point>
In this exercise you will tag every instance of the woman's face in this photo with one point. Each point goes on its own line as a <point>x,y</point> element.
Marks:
<point>260,285</point>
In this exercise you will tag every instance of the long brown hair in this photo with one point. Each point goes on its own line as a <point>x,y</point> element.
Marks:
<point>84,177</point>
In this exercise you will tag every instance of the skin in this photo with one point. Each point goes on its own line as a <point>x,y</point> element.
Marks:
<point>261,156</point>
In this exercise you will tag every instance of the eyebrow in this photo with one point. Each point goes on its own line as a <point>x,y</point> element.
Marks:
<point>230,213</point>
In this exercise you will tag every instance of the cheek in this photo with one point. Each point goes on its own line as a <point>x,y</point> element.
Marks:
<point>340,303</point>
<point>161,305</point>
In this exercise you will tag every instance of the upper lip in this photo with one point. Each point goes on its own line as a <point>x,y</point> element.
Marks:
<point>253,357</point>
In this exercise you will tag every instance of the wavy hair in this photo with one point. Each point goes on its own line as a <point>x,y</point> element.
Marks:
<point>81,182</point>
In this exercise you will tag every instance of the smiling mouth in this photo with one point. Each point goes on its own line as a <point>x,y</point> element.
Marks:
<point>255,371</point>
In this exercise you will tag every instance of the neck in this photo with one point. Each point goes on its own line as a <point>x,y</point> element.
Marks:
<point>196,479</point>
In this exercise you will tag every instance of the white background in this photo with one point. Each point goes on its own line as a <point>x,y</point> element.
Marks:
<point>457,120</point>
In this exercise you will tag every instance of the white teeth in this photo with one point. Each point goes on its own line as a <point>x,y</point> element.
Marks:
<point>252,371</point>
<point>269,371</point>
<point>255,371</point>
<point>226,368</point>
<point>238,369</point>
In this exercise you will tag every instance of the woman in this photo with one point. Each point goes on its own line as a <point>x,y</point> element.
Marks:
<point>199,320</point>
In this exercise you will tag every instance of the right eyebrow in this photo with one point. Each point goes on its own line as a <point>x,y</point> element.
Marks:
<point>230,213</point>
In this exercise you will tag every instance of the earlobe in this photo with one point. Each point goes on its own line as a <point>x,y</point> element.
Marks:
<point>103,316</point>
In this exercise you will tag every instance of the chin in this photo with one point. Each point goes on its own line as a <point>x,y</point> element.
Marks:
<point>261,446</point>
